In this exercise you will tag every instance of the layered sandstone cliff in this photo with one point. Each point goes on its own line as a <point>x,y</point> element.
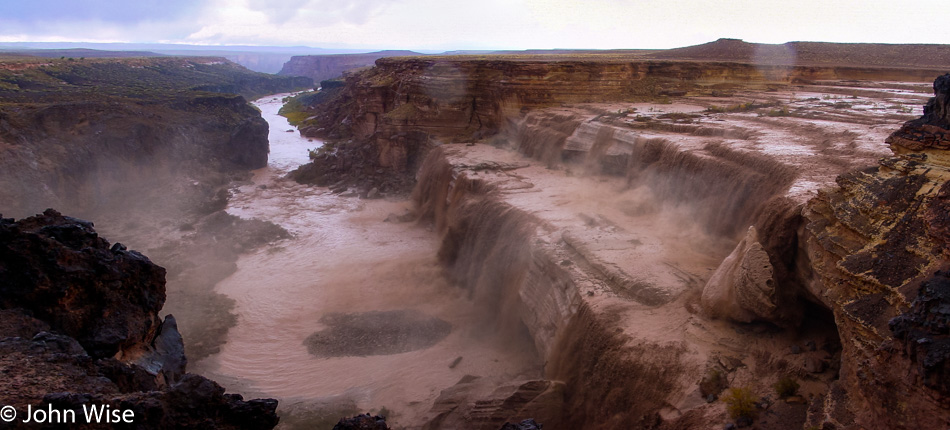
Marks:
<point>875,246</point>
<point>860,252</point>
<point>389,116</point>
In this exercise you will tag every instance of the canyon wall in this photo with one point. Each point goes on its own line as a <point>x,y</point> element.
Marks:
<point>146,148</point>
<point>868,251</point>
<point>93,135</point>
<point>322,67</point>
<point>875,248</point>
<point>514,269</point>
<point>390,115</point>
<point>93,156</point>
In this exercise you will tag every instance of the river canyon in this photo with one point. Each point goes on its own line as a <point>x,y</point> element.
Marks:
<point>616,240</point>
<point>367,268</point>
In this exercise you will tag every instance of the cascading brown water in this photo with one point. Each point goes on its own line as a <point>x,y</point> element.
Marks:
<point>352,311</point>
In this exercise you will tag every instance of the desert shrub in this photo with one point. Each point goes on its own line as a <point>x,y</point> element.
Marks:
<point>778,112</point>
<point>713,383</point>
<point>740,402</point>
<point>786,387</point>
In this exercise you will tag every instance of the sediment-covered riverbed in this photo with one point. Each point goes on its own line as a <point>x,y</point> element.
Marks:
<point>346,268</point>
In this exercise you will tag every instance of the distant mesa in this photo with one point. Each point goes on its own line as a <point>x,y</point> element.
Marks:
<point>322,67</point>
<point>814,53</point>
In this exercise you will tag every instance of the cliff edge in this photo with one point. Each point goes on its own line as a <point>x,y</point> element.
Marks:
<point>876,246</point>
<point>79,326</point>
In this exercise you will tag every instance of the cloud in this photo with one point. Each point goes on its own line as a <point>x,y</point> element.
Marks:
<point>320,12</point>
<point>467,24</point>
<point>112,11</point>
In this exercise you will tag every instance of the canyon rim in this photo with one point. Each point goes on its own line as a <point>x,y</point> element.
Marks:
<point>704,237</point>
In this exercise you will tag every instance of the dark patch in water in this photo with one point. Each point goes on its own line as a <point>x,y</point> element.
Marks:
<point>376,333</point>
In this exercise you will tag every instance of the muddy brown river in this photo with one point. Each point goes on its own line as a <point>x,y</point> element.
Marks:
<point>371,288</point>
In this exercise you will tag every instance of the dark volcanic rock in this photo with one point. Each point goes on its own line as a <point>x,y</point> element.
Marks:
<point>76,285</point>
<point>362,422</point>
<point>48,363</point>
<point>528,424</point>
<point>59,269</point>
<point>195,402</point>
<point>930,130</point>
<point>925,332</point>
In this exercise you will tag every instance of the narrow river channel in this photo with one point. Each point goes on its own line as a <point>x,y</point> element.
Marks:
<point>346,265</point>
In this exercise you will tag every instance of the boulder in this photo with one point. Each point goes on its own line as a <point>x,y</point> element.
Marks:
<point>64,274</point>
<point>742,289</point>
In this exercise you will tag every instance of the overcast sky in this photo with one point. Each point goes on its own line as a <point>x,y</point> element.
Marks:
<point>481,24</point>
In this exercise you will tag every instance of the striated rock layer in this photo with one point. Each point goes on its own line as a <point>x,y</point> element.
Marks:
<point>391,114</point>
<point>874,245</point>
<point>513,267</point>
<point>864,250</point>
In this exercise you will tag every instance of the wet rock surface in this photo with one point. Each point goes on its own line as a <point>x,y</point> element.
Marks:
<point>528,424</point>
<point>376,333</point>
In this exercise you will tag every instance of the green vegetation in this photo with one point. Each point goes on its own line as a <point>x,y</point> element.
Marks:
<point>786,387</point>
<point>403,112</point>
<point>713,383</point>
<point>45,80</point>
<point>295,108</point>
<point>740,402</point>
<point>778,112</point>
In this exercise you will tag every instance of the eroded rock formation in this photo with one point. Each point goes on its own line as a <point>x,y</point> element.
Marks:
<point>859,251</point>
<point>390,115</point>
<point>874,244</point>
<point>62,272</point>
<point>79,326</point>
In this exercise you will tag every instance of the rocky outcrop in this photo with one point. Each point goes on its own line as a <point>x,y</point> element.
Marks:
<point>322,67</point>
<point>924,332</point>
<point>362,422</point>
<point>873,244</point>
<point>62,272</point>
<point>79,326</point>
<point>742,287</point>
<point>193,402</point>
